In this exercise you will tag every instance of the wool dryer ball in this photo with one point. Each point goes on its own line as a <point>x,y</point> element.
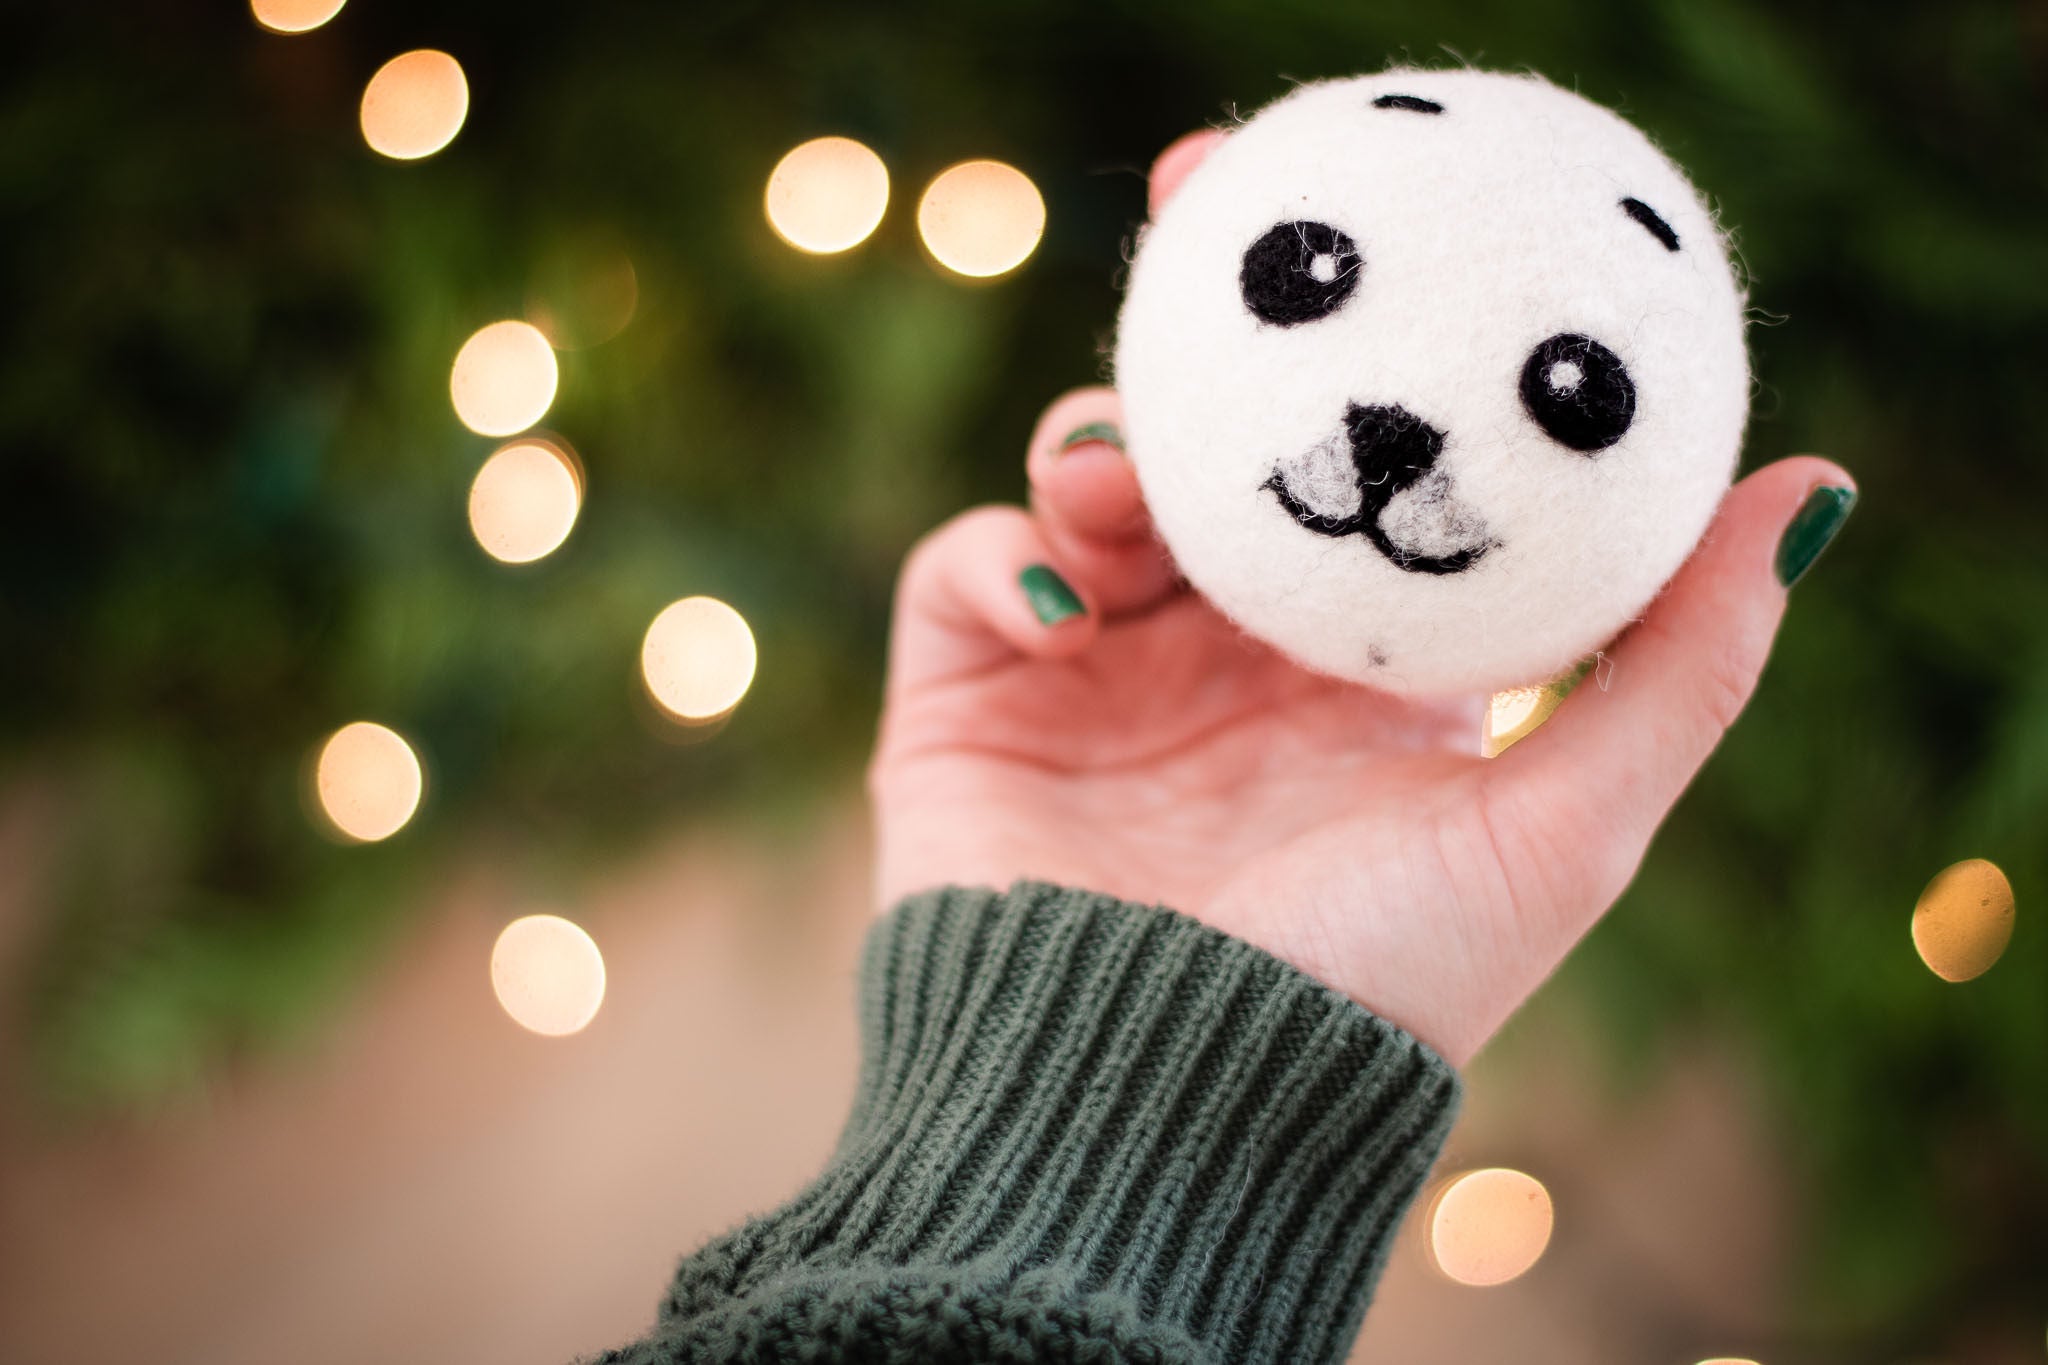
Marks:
<point>1433,379</point>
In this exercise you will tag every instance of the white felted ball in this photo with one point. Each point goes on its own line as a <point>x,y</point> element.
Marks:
<point>1433,378</point>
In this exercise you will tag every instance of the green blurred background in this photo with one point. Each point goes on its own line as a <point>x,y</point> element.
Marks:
<point>233,505</point>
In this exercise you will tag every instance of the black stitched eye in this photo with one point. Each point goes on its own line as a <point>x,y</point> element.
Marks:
<point>1579,392</point>
<point>1299,272</point>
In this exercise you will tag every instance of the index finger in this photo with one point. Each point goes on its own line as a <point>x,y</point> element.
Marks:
<point>1090,507</point>
<point>1171,166</point>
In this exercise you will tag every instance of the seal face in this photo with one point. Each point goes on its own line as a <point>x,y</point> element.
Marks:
<point>1433,378</point>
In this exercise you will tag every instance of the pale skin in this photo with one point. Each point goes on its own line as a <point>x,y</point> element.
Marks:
<point>1149,750</point>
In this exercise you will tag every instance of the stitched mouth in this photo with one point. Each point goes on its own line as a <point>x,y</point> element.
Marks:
<point>1365,522</point>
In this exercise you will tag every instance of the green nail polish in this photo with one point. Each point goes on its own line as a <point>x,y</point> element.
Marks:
<point>1050,597</point>
<point>1811,528</point>
<point>1105,432</point>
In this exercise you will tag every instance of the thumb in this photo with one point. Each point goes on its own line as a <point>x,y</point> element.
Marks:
<point>1615,758</point>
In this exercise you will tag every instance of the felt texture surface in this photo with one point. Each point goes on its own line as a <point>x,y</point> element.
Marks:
<point>1433,378</point>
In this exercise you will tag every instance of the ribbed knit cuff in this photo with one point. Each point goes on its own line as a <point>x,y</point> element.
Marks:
<point>1082,1116</point>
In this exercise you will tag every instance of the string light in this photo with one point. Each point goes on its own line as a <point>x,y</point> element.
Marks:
<point>981,218</point>
<point>698,659</point>
<point>368,781</point>
<point>415,104</point>
<point>827,195</point>
<point>504,379</point>
<point>524,501</point>
<point>294,16</point>
<point>1489,1226</point>
<point>547,974</point>
<point>1964,920</point>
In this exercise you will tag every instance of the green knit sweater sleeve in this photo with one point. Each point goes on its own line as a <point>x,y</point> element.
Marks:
<point>1085,1131</point>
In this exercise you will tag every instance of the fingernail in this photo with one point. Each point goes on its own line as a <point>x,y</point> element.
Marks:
<point>1810,530</point>
<point>1051,599</point>
<point>1105,432</point>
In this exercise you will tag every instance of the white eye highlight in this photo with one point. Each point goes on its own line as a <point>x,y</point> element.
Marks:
<point>1565,377</point>
<point>1323,268</point>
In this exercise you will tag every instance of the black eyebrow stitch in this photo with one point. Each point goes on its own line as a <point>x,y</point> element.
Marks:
<point>1655,225</point>
<point>1414,103</point>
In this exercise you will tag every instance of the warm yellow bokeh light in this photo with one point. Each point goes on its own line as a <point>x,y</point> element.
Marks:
<point>415,104</point>
<point>548,974</point>
<point>294,16</point>
<point>504,379</point>
<point>368,781</point>
<point>827,195</point>
<point>524,501</point>
<point>698,659</point>
<point>981,218</point>
<point>1489,1226</point>
<point>1964,920</point>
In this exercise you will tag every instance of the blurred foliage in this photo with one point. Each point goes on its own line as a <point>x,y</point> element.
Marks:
<point>233,505</point>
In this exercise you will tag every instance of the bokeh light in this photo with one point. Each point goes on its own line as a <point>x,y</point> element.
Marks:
<point>415,104</point>
<point>1729,1360</point>
<point>981,218</point>
<point>1964,919</point>
<point>368,781</point>
<point>294,16</point>
<point>827,195</point>
<point>548,974</point>
<point>524,500</point>
<point>504,379</point>
<point>1489,1226</point>
<point>698,659</point>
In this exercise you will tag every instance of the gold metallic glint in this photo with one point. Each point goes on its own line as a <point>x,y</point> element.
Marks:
<point>1514,715</point>
<point>1964,920</point>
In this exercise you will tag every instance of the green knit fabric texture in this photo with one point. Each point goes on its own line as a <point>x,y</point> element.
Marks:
<point>1086,1131</point>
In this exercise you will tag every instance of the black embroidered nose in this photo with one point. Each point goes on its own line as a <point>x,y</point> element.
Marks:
<point>1392,450</point>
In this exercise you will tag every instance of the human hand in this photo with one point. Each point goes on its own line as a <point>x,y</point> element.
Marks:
<point>1060,707</point>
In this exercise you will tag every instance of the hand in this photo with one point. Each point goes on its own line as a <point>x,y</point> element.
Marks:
<point>1144,747</point>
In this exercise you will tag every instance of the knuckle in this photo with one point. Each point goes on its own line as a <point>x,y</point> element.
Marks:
<point>926,563</point>
<point>1726,683</point>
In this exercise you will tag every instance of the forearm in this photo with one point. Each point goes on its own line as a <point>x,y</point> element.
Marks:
<point>1084,1130</point>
